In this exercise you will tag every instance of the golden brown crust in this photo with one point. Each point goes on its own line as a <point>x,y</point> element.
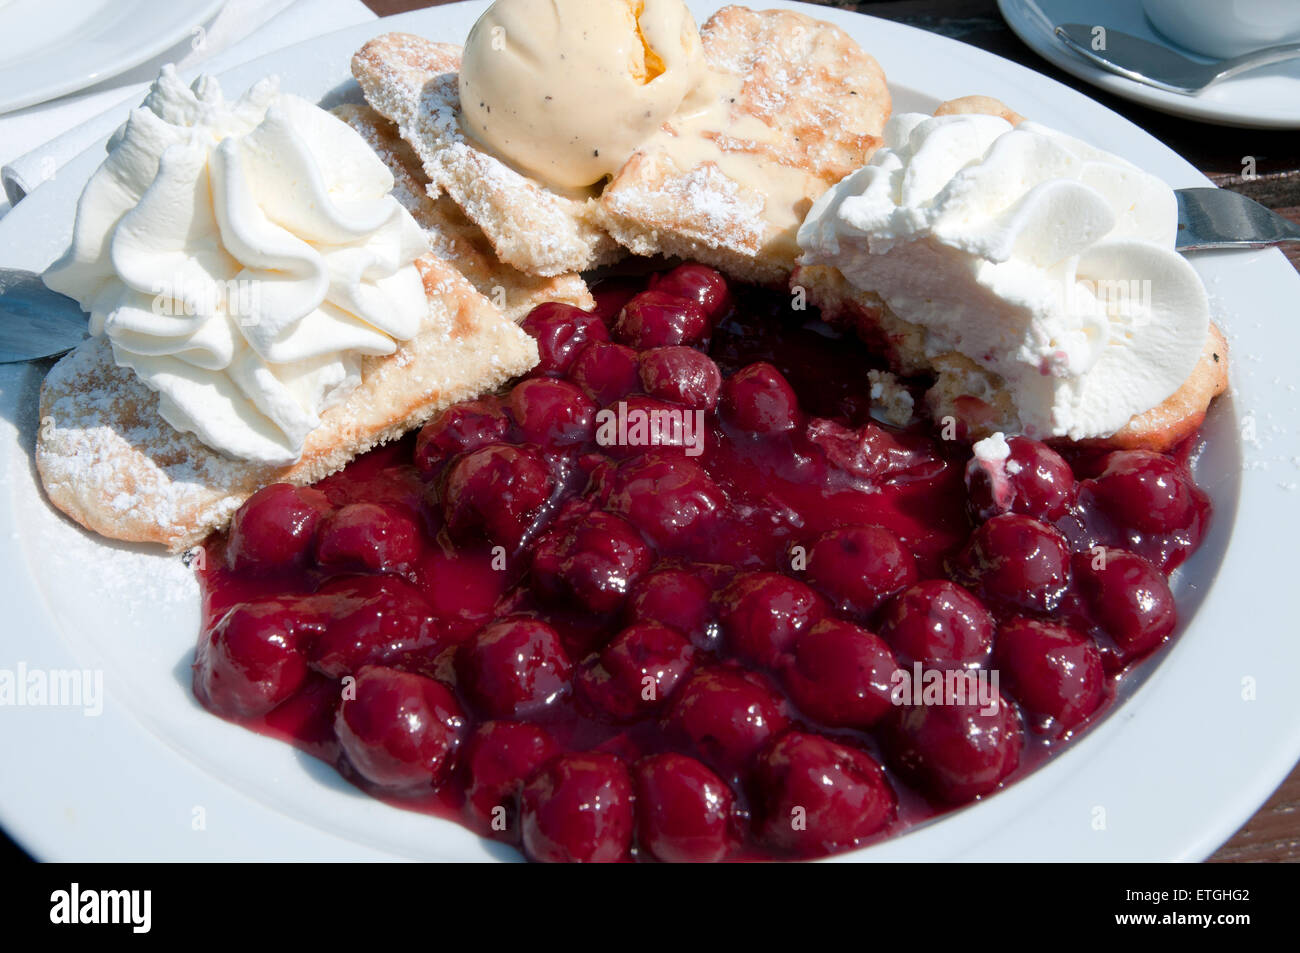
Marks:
<point>825,100</point>
<point>111,463</point>
<point>452,236</point>
<point>411,81</point>
<point>979,105</point>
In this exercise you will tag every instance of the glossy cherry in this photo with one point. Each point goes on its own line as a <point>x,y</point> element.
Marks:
<point>684,810</point>
<point>1017,562</point>
<point>1033,480</point>
<point>657,319</point>
<point>938,623</point>
<point>815,796</point>
<point>275,528</point>
<point>398,729</point>
<point>578,809</point>
<point>499,758</point>
<point>859,567</point>
<point>841,675</point>
<point>759,399</point>
<point>763,613</point>
<point>1130,599</point>
<point>1051,669</point>
<point>249,662</point>
<point>561,331</point>
<point>514,668</point>
<point>497,490</point>
<point>459,429</point>
<point>727,714</point>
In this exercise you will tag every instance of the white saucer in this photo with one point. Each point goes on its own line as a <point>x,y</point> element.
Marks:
<point>49,49</point>
<point>1267,98</point>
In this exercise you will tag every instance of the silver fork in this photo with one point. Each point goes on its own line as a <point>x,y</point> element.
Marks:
<point>1157,65</point>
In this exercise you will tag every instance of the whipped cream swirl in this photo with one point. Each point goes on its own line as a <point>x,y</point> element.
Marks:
<point>241,258</point>
<point>1044,260</point>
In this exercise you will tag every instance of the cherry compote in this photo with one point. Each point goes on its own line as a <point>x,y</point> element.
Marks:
<point>676,595</point>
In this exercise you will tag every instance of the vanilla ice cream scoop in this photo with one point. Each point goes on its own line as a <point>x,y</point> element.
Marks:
<point>566,90</point>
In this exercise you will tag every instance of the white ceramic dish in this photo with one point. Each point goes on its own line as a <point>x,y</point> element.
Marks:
<point>1267,98</point>
<point>1171,773</point>
<point>51,49</point>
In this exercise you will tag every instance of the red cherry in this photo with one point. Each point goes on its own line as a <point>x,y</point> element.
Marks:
<point>1130,599</point>
<point>275,528</point>
<point>499,759</point>
<point>759,399</point>
<point>249,662</point>
<point>552,413</point>
<point>699,283</point>
<point>939,624</point>
<point>638,671</point>
<point>684,810</point>
<point>727,714</point>
<point>816,796</point>
<point>401,730</point>
<point>1052,670</point>
<point>561,331</point>
<point>514,668</point>
<point>1034,480</point>
<point>677,598</point>
<point>369,537</point>
<point>593,563</point>
<point>578,809</point>
<point>498,489</point>
<point>682,375</point>
<point>763,613</point>
<point>859,567</point>
<point>656,319</point>
<point>841,675</point>
<point>607,372</point>
<point>459,429</point>
<point>371,620</point>
<point>1147,492</point>
<point>1018,562</point>
<point>674,502</point>
<point>956,750</point>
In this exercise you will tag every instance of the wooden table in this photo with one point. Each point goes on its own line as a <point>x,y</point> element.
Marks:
<point>1273,834</point>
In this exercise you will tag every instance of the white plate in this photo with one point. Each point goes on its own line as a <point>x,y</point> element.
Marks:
<point>1266,98</point>
<point>1175,769</point>
<point>49,49</point>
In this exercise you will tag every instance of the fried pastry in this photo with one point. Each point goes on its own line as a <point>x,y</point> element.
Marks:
<point>796,105</point>
<point>109,461</point>
<point>411,81</point>
<point>452,236</point>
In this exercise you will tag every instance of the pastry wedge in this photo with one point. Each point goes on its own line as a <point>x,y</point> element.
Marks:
<point>110,462</point>
<point>452,236</point>
<point>411,81</point>
<point>806,106</point>
<point>977,397</point>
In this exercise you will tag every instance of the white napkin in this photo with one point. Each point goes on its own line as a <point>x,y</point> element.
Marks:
<point>36,141</point>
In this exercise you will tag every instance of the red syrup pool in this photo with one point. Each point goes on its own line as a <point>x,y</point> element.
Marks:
<point>652,602</point>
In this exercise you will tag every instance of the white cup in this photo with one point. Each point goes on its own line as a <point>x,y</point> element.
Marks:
<point>1226,28</point>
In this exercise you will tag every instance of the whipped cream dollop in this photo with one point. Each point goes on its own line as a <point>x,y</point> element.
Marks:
<point>241,258</point>
<point>1044,260</point>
